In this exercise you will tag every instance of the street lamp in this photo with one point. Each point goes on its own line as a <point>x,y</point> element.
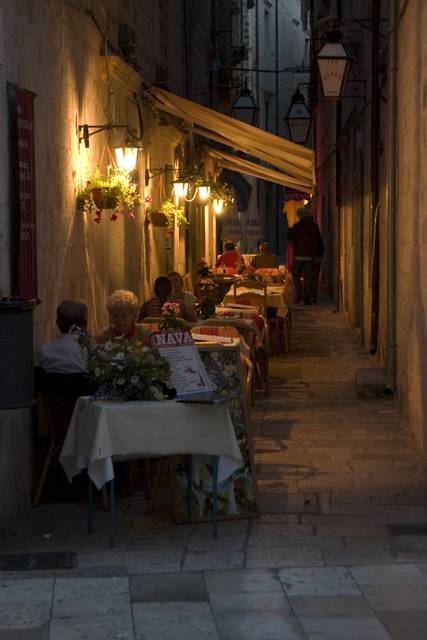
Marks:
<point>244,107</point>
<point>334,64</point>
<point>298,119</point>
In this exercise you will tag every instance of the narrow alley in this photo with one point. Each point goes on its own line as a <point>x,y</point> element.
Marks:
<point>323,560</point>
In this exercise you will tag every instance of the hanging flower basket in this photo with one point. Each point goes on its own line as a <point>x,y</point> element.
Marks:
<point>158,219</point>
<point>103,198</point>
<point>116,193</point>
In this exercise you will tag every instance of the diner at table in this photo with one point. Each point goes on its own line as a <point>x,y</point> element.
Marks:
<point>163,289</point>
<point>123,307</point>
<point>133,414</point>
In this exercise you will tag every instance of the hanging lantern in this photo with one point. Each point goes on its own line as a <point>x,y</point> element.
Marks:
<point>180,187</point>
<point>298,119</point>
<point>126,158</point>
<point>204,191</point>
<point>244,107</point>
<point>334,64</point>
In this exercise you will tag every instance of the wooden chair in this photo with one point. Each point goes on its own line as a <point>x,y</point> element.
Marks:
<point>257,296</point>
<point>57,410</point>
<point>56,396</point>
<point>279,334</point>
<point>152,323</point>
<point>226,331</point>
<point>188,282</point>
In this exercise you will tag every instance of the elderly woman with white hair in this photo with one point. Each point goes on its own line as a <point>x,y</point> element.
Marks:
<point>123,307</point>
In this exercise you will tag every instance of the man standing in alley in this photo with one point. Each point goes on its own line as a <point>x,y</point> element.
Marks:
<point>307,242</point>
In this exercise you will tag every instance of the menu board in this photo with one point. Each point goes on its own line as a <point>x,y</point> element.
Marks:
<point>189,376</point>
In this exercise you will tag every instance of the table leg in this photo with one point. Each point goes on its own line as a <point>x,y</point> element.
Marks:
<point>215,461</point>
<point>112,514</point>
<point>89,505</point>
<point>189,460</point>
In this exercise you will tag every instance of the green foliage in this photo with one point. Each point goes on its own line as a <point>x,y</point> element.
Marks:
<point>124,371</point>
<point>173,213</point>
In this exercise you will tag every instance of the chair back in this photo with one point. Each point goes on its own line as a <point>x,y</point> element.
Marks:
<point>253,293</point>
<point>188,282</point>
<point>245,330</point>
<point>152,323</point>
<point>225,331</point>
<point>57,393</point>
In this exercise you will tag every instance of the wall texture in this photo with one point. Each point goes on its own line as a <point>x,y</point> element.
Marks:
<point>412,219</point>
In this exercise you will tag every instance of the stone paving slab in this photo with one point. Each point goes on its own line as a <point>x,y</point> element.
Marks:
<point>168,587</point>
<point>349,628</point>
<point>259,625</point>
<point>174,621</point>
<point>404,625</point>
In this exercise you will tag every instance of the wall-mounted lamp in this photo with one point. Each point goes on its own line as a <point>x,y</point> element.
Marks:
<point>204,191</point>
<point>334,63</point>
<point>188,185</point>
<point>298,119</point>
<point>181,187</point>
<point>218,205</point>
<point>154,173</point>
<point>126,157</point>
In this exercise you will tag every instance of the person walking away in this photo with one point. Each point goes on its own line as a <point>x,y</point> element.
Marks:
<point>307,243</point>
<point>265,259</point>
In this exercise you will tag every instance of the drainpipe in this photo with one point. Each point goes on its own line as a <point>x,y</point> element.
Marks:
<point>375,120</point>
<point>276,128</point>
<point>392,204</point>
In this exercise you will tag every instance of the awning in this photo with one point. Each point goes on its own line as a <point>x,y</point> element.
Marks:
<point>292,162</point>
<point>236,163</point>
<point>242,188</point>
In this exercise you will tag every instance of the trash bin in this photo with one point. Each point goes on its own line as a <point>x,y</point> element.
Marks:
<point>16,353</point>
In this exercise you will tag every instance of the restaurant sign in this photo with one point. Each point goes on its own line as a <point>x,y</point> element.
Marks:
<point>189,376</point>
<point>24,170</point>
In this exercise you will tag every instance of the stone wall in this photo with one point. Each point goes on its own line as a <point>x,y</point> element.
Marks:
<point>66,53</point>
<point>412,220</point>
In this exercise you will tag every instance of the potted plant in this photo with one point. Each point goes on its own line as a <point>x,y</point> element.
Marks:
<point>116,192</point>
<point>221,192</point>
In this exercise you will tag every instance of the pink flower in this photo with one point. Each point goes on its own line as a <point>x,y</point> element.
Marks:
<point>113,217</point>
<point>171,308</point>
<point>148,199</point>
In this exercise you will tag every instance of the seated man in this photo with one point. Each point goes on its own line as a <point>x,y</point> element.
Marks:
<point>265,259</point>
<point>230,256</point>
<point>64,355</point>
<point>62,363</point>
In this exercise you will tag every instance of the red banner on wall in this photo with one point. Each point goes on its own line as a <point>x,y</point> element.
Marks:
<point>27,244</point>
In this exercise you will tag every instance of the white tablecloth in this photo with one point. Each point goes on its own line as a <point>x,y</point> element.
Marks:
<point>101,432</point>
<point>275,298</point>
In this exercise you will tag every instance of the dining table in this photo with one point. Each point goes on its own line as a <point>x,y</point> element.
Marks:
<point>102,432</point>
<point>276,298</point>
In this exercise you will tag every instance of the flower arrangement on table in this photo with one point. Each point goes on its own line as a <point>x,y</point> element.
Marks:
<point>204,270</point>
<point>126,371</point>
<point>116,192</point>
<point>170,320</point>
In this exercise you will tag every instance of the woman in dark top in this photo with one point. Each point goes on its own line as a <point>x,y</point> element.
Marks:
<point>152,308</point>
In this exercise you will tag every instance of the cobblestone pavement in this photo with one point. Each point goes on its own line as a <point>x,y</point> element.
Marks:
<point>322,562</point>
